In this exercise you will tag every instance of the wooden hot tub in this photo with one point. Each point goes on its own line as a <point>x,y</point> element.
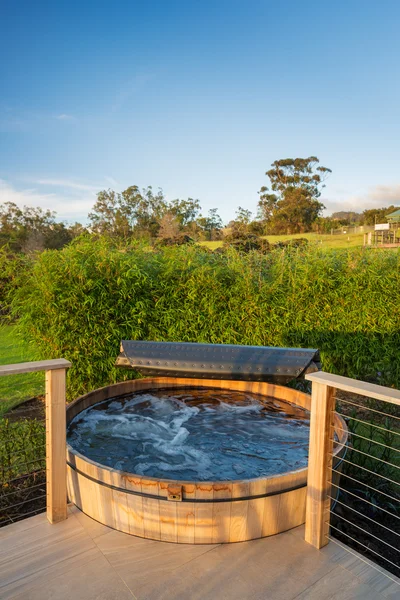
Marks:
<point>191,512</point>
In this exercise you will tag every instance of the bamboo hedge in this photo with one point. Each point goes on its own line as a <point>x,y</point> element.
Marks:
<point>79,302</point>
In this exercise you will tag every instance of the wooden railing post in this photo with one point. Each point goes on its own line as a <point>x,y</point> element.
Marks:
<point>320,464</point>
<point>56,470</point>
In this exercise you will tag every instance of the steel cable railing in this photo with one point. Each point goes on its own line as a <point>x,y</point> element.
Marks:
<point>22,469</point>
<point>363,509</point>
<point>32,452</point>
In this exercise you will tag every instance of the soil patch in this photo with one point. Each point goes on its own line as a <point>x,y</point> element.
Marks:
<point>34,408</point>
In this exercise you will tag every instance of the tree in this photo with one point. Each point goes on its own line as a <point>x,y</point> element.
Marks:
<point>296,212</point>
<point>25,229</point>
<point>377,215</point>
<point>211,224</point>
<point>289,173</point>
<point>108,216</point>
<point>131,212</point>
<point>185,211</point>
<point>169,226</point>
<point>240,225</point>
<point>296,185</point>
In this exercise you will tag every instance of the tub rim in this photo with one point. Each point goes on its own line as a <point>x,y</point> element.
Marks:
<point>109,476</point>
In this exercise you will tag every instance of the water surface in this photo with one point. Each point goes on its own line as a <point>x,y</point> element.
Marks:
<point>194,435</point>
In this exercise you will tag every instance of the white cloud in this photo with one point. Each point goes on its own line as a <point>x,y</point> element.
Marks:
<point>65,117</point>
<point>66,206</point>
<point>376,197</point>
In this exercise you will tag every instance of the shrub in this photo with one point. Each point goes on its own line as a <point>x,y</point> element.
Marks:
<point>78,303</point>
<point>13,267</point>
<point>293,243</point>
<point>245,242</point>
<point>177,240</point>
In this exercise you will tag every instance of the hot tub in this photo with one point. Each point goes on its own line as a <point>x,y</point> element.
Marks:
<point>193,512</point>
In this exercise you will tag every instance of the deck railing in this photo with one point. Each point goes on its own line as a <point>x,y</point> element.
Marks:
<point>56,491</point>
<point>336,508</point>
<point>362,508</point>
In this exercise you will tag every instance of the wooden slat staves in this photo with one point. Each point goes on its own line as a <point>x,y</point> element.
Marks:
<point>168,515</point>
<point>186,516</point>
<point>135,505</point>
<point>239,510</point>
<point>56,469</point>
<point>221,513</point>
<point>203,527</point>
<point>320,464</point>
<point>255,514</point>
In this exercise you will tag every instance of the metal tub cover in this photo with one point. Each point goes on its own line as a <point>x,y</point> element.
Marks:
<point>217,361</point>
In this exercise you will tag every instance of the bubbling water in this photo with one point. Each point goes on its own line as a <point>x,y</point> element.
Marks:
<point>194,434</point>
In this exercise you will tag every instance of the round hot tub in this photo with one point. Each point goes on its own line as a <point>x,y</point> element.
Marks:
<point>230,488</point>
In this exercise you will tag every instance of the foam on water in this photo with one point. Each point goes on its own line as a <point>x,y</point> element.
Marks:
<point>194,435</point>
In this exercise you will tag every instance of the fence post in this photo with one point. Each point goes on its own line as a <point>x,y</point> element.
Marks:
<point>56,470</point>
<point>320,464</point>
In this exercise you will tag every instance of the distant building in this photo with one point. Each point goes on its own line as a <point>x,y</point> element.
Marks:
<point>394,217</point>
<point>385,235</point>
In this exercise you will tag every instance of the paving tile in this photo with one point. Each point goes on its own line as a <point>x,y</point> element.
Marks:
<point>43,534</point>
<point>364,569</point>
<point>339,584</point>
<point>92,527</point>
<point>137,560</point>
<point>15,528</point>
<point>128,548</point>
<point>259,569</point>
<point>80,558</point>
<point>95,580</point>
<point>22,569</point>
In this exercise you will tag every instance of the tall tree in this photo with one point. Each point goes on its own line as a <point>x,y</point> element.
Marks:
<point>185,211</point>
<point>131,212</point>
<point>25,229</point>
<point>211,224</point>
<point>240,225</point>
<point>377,215</point>
<point>292,205</point>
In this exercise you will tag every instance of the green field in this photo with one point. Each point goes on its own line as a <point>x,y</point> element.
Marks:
<point>341,240</point>
<point>14,389</point>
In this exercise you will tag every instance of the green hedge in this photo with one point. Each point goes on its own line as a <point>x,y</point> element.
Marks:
<point>79,302</point>
<point>12,269</point>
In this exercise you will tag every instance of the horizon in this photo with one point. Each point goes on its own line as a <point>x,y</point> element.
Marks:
<point>197,100</point>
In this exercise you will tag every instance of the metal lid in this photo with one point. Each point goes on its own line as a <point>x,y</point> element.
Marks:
<point>218,361</point>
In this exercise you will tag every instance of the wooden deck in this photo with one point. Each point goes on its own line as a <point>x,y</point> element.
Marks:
<point>80,559</point>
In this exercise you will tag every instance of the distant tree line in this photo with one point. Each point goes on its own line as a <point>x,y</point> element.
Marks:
<point>290,205</point>
<point>136,213</point>
<point>30,229</point>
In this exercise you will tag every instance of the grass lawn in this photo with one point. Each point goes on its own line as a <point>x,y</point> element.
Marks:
<point>16,388</point>
<point>341,240</point>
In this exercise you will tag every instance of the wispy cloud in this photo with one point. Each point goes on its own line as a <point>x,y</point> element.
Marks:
<point>67,183</point>
<point>132,87</point>
<point>65,117</point>
<point>67,207</point>
<point>12,119</point>
<point>112,181</point>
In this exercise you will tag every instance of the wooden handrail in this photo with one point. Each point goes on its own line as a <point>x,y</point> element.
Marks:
<point>56,469</point>
<point>321,445</point>
<point>31,367</point>
<point>378,392</point>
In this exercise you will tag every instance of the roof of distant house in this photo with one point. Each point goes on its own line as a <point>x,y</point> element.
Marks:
<point>394,217</point>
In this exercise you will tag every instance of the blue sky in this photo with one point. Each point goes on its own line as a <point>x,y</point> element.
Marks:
<point>198,98</point>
